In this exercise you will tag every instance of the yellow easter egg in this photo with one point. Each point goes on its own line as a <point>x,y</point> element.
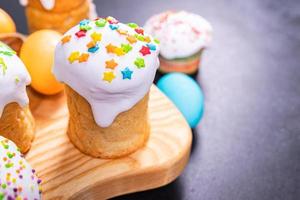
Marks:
<point>7,24</point>
<point>37,53</point>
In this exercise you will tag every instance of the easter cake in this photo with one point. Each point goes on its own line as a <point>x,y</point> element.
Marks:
<point>16,121</point>
<point>108,68</point>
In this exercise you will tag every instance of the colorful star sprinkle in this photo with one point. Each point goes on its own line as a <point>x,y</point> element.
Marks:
<point>152,47</point>
<point>91,44</point>
<point>83,57</point>
<point>74,56</point>
<point>145,50</point>
<point>132,25</point>
<point>80,33</point>
<point>139,31</point>
<point>100,22</point>
<point>66,39</point>
<point>111,64</point>
<point>126,73</point>
<point>139,63</point>
<point>93,49</point>
<point>122,32</point>
<point>131,39</point>
<point>16,174</point>
<point>119,51</point>
<point>126,47</point>
<point>110,48</point>
<point>108,76</point>
<point>96,36</point>
<point>112,20</point>
<point>113,26</point>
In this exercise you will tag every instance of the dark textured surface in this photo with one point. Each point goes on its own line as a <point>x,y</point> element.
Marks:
<point>248,144</point>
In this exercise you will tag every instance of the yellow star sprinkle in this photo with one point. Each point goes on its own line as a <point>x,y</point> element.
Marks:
<point>84,57</point>
<point>108,76</point>
<point>131,39</point>
<point>147,39</point>
<point>110,48</point>
<point>119,51</point>
<point>122,32</point>
<point>96,37</point>
<point>66,39</point>
<point>74,56</point>
<point>111,64</point>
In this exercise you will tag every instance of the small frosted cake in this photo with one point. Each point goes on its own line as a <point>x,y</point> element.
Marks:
<point>59,15</point>
<point>16,121</point>
<point>183,38</point>
<point>108,68</point>
<point>17,179</point>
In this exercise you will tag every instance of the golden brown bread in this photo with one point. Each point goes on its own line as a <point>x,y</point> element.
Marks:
<point>17,124</point>
<point>61,18</point>
<point>129,131</point>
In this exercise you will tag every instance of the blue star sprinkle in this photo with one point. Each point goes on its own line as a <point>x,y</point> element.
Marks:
<point>127,73</point>
<point>152,47</point>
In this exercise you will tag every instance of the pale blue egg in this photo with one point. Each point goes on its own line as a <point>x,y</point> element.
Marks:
<point>186,94</point>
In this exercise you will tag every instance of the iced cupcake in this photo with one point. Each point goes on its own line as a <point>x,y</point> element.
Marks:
<point>16,121</point>
<point>183,38</point>
<point>17,179</point>
<point>108,68</point>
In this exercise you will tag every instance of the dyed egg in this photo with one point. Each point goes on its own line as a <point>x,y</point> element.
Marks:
<point>37,53</point>
<point>7,24</point>
<point>186,94</point>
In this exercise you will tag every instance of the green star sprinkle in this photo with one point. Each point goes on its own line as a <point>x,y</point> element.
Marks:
<point>139,62</point>
<point>10,155</point>
<point>100,22</point>
<point>9,165</point>
<point>126,47</point>
<point>156,41</point>
<point>132,25</point>
<point>139,37</point>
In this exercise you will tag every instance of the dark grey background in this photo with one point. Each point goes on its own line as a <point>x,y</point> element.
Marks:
<point>248,144</point>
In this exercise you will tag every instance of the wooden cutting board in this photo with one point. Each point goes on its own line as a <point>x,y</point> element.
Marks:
<point>68,174</point>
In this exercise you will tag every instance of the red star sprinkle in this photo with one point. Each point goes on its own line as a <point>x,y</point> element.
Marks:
<point>145,50</point>
<point>139,31</point>
<point>80,33</point>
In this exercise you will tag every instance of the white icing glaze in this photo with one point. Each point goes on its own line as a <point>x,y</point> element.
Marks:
<point>47,4</point>
<point>13,79</point>
<point>182,34</point>
<point>16,173</point>
<point>107,100</point>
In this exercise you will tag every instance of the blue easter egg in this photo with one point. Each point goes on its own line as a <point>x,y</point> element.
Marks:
<point>186,94</point>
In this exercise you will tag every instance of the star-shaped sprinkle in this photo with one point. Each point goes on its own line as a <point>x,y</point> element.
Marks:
<point>80,33</point>
<point>139,62</point>
<point>83,57</point>
<point>147,39</point>
<point>84,25</point>
<point>131,39</point>
<point>113,26</point>
<point>126,47</point>
<point>127,73</point>
<point>132,25</point>
<point>122,32</point>
<point>108,76</point>
<point>152,47</point>
<point>93,49</point>
<point>139,37</point>
<point>74,56</point>
<point>111,64</point>
<point>96,37</point>
<point>110,48</point>
<point>91,44</point>
<point>100,22</point>
<point>111,20</point>
<point>139,31</point>
<point>66,39</point>
<point>145,50</point>
<point>84,22</point>
<point>119,51</point>
<point>156,41</point>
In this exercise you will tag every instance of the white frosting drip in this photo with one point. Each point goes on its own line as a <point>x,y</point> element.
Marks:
<point>13,79</point>
<point>107,100</point>
<point>47,4</point>
<point>181,34</point>
<point>19,169</point>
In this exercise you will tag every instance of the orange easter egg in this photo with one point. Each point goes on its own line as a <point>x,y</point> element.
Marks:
<point>7,25</point>
<point>37,53</point>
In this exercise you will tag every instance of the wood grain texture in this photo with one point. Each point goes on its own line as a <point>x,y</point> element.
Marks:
<point>68,174</point>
